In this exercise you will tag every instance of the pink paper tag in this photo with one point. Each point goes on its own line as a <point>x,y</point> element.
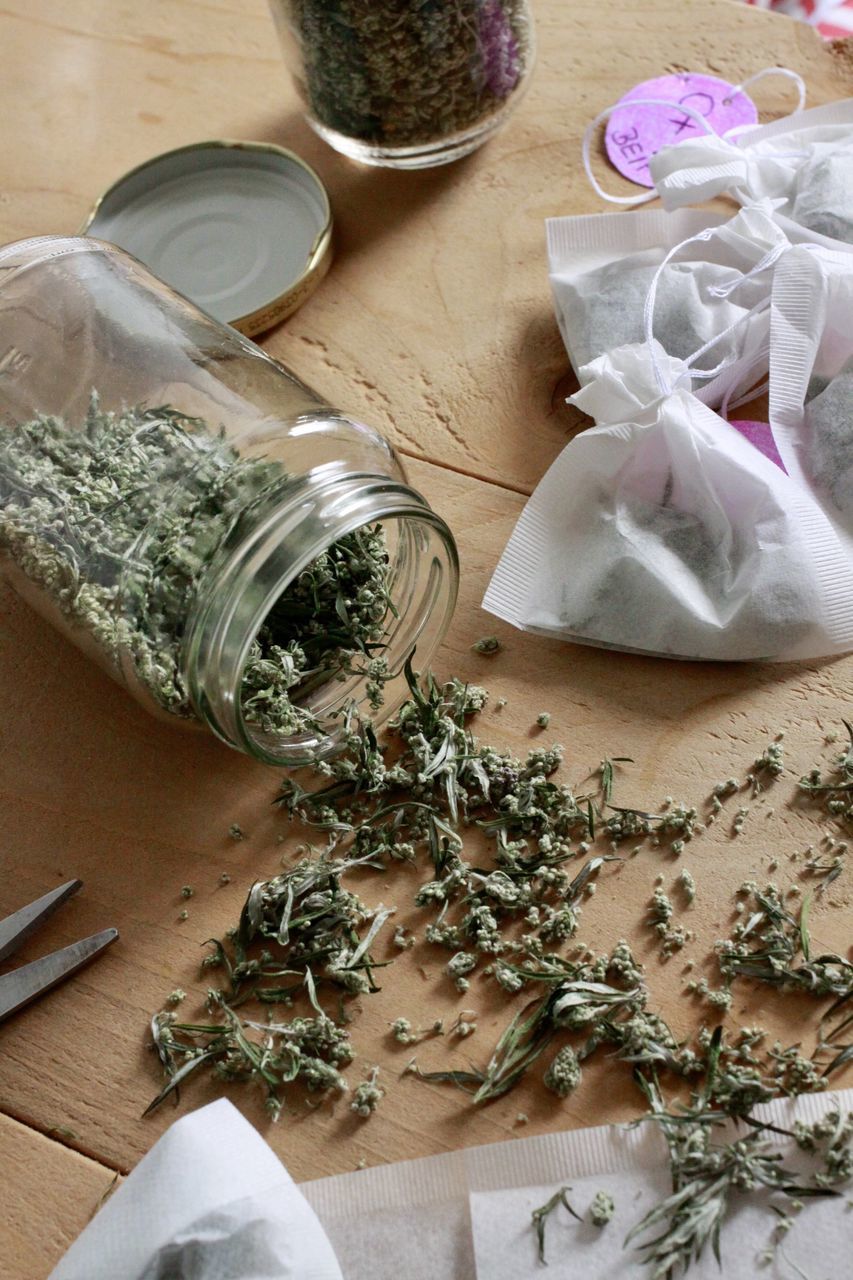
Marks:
<point>634,133</point>
<point>761,435</point>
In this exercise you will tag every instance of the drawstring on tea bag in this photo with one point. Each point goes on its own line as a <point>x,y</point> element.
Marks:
<point>717,291</point>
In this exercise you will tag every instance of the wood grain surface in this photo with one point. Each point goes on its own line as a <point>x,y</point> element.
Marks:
<point>434,324</point>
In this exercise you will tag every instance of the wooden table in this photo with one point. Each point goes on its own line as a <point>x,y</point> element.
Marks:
<point>435,324</point>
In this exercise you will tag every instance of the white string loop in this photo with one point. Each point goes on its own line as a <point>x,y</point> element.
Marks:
<point>786,73</point>
<point>665,387</point>
<point>726,290</point>
<point>651,299</point>
<point>690,372</point>
<point>586,145</point>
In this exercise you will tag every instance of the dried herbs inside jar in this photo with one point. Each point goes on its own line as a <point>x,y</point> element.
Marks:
<point>112,523</point>
<point>398,75</point>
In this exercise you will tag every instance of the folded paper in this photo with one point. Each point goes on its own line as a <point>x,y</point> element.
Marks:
<point>210,1201</point>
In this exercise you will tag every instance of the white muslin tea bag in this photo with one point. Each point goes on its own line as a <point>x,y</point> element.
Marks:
<point>804,162</point>
<point>710,275</point>
<point>663,530</point>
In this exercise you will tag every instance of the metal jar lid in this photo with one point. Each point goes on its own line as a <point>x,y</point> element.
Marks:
<point>243,229</point>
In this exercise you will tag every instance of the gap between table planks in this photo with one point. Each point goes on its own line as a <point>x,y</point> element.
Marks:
<point>435,325</point>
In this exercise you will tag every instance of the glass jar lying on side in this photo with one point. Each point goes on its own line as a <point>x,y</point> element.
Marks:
<point>234,550</point>
<point>407,85</point>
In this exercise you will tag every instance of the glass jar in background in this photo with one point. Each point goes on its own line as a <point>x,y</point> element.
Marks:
<point>407,84</point>
<point>230,547</point>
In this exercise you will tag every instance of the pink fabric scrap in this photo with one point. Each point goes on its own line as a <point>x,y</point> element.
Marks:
<point>833,18</point>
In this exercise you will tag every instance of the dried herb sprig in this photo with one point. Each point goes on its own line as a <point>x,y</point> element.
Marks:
<point>708,1176</point>
<point>487,646</point>
<point>672,937</point>
<point>830,1044</point>
<point>602,1209</point>
<point>768,766</point>
<point>367,1095</point>
<point>834,790</point>
<point>301,920</point>
<point>773,946</point>
<point>676,824</point>
<point>310,1050</point>
<point>605,999</point>
<point>539,1217</point>
<point>297,925</point>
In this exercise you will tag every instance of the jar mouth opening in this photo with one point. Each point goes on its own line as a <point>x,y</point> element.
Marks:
<point>422,577</point>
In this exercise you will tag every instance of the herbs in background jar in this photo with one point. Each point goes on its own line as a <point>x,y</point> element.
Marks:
<point>115,520</point>
<point>400,75</point>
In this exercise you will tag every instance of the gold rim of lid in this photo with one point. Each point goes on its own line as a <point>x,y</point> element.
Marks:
<point>319,256</point>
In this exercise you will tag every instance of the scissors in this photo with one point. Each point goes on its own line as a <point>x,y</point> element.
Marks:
<point>31,980</point>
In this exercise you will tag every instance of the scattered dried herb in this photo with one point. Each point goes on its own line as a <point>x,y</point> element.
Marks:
<point>488,646</point>
<point>419,795</point>
<point>438,779</point>
<point>771,945</point>
<point>367,1095</point>
<point>539,1217</point>
<point>602,1209</point>
<point>708,1176</point>
<point>834,791</point>
<point>605,1000</point>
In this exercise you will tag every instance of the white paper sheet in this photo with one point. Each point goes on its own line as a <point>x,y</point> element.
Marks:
<point>212,1202</point>
<point>466,1216</point>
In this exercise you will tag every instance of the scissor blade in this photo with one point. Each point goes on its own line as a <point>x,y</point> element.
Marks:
<point>23,985</point>
<point>15,929</point>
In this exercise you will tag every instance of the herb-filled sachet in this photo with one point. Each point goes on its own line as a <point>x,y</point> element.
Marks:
<point>710,274</point>
<point>803,162</point>
<point>663,530</point>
